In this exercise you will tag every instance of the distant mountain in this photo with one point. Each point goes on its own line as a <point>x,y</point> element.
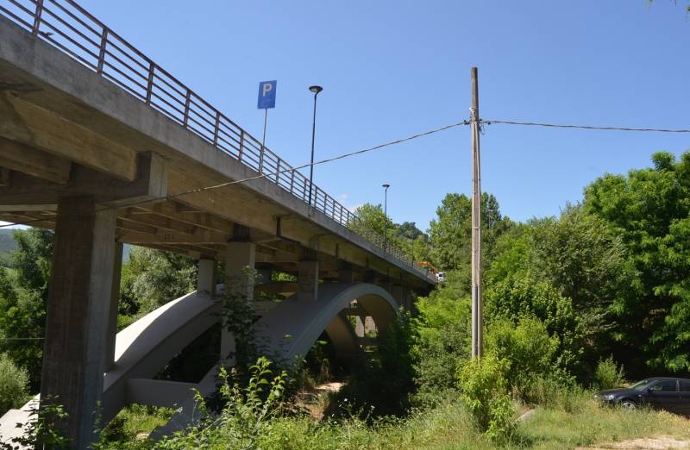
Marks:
<point>7,243</point>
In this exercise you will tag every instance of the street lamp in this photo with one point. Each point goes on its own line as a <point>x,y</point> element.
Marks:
<point>315,90</point>
<point>385,213</point>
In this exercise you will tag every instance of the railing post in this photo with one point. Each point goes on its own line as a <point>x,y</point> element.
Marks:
<point>216,129</point>
<point>187,101</point>
<point>149,84</point>
<point>278,171</point>
<point>37,17</point>
<point>101,52</point>
<point>241,149</point>
<point>292,182</point>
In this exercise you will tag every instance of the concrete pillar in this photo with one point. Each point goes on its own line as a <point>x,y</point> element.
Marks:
<point>112,310</point>
<point>308,281</point>
<point>77,320</point>
<point>240,259</point>
<point>206,277</point>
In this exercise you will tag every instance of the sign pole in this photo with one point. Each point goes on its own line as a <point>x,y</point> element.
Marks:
<point>267,99</point>
<point>477,304</point>
<point>263,142</point>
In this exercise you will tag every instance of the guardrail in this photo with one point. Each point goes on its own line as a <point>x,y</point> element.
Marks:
<point>70,28</point>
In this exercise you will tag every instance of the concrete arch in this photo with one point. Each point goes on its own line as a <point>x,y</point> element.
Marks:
<point>288,331</point>
<point>144,347</point>
<point>291,329</point>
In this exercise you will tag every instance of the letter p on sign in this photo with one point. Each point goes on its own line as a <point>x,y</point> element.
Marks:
<point>267,94</point>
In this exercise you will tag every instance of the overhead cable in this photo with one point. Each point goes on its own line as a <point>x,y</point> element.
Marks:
<point>585,127</point>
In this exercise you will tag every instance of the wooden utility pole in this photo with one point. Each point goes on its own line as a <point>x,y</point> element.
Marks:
<point>477,304</point>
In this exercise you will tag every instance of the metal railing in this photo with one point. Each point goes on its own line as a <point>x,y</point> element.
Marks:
<point>70,28</point>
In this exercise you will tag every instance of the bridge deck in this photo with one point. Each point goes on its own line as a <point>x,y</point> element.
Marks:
<point>83,111</point>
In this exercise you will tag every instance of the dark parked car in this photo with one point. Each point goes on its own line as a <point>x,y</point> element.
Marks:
<point>670,394</point>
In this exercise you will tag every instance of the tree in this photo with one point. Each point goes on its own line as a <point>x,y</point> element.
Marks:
<point>152,278</point>
<point>371,217</point>
<point>650,210</point>
<point>576,264</point>
<point>23,297</point>
<point>407,237</point>
<point>451,231</point>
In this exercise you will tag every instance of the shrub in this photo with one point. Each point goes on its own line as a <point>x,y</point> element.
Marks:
<point>14,384</point>
<point>526,351</point>
<point>441,345</point>
<point>484,391</point>
<point>608,375</point>
<point>245,417</point>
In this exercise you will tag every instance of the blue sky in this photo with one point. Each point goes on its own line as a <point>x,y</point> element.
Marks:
<point>391,69</point>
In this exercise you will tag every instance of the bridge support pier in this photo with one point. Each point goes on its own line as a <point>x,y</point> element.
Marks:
<point>308,281</point>
<point>240,259</point>
<point>206,279</point>
<point>78,307</point>
<point>113,307</point>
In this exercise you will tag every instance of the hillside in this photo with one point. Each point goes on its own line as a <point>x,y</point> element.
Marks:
<point>7,243</point>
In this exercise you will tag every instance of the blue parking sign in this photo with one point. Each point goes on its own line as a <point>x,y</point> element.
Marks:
<point>267,94</point>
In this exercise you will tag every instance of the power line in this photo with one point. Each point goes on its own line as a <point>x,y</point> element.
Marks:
<point>585,127</point>
<point>323,161</point>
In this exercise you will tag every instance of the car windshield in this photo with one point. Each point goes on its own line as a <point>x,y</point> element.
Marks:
<point>640,385</point>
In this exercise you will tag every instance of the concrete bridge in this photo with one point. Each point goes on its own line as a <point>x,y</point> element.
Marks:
<point>100,144</point>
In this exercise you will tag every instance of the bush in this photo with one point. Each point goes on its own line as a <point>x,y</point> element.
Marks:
<point>555,394</point>
<point>442,344</point>
<point>526,351</point>
<point>14,384</point>
<point>245,417</point>
<point>484,391</point>
<point>608,375</point>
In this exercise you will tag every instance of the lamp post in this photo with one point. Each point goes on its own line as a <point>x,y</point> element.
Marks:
<point>385,213</point>
<point>315,90</point>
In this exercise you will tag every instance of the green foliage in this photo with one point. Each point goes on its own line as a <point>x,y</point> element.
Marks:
<point>526,351</point>
<point>7,245</point>
<point>608,375</point>
<point>406,236</point>
<point>238,318</point>
<point>484,391</point>
<point>451,232</point>
<point>567,272</point>
<point>126,429</point>
<point>381,383</point>
<point>372,218</point>
<point>245,418</point>
<point>649,210</point>
<point>43,429</point>
<point>522,299</point>
<point>152,278</point>
<point>14,385</point>
<point>442,327</point>
<point>23,297</point>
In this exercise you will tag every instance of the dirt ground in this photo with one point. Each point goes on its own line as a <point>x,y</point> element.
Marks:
<point>657,443</point>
